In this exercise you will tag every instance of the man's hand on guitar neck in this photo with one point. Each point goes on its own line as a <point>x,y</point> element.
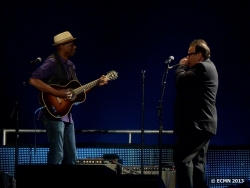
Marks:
<point>103,80</point>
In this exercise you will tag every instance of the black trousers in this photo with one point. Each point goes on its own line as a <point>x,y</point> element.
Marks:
<point>190,158</point>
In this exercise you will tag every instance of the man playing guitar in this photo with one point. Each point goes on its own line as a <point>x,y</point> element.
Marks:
<point>58,70</point>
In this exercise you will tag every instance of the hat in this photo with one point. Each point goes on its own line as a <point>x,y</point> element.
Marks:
<point>63,38</point>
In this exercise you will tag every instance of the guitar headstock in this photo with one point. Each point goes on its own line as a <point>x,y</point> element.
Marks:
<point>112,75</point>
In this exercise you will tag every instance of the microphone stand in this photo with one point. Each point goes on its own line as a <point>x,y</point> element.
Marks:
<point>142,129</point>
<point>159,107</point>
<point>16,110</point>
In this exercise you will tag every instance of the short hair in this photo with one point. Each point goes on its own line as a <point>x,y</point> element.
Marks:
<point>201,46</point>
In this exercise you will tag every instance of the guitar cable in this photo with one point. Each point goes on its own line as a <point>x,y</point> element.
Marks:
<point>35,127</point>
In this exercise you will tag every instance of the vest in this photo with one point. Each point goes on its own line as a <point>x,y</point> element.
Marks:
<point>60,77</point>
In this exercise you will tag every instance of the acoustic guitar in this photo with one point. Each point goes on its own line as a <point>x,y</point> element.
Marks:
<point>59,107</point>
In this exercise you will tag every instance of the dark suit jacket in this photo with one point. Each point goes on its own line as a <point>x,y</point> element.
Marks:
<point>196,90</point>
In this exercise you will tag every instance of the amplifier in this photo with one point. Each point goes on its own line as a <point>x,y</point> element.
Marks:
<point>110,163</point>
<point>168,174</point>
<point>97,161</point>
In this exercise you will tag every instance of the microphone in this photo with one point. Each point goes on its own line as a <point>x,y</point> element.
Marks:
<point>176,65</point>
<point>169,59</point>
<point>37,60</point>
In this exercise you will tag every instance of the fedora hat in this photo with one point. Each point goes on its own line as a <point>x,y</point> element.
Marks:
<point>63,38</point>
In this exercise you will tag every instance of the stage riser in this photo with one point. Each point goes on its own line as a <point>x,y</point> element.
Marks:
<point>221,164</point>
<point>92,176</point>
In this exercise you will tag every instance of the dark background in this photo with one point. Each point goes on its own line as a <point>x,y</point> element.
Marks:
<point>126,36</point>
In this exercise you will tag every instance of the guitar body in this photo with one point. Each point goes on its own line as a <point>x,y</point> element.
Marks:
<point>59,107</point>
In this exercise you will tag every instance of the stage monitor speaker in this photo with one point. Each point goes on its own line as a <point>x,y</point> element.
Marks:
<point>140,181</point>
<point>53,176</point>
<point>168,174</point>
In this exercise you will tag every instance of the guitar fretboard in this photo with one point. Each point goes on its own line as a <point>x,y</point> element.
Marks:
<point>86,86</point>
<point>111,76</point>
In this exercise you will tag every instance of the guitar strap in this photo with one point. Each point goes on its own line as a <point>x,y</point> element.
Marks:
<point>72,73</point>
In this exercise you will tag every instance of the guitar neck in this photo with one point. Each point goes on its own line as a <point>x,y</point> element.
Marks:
<point>86,87</point>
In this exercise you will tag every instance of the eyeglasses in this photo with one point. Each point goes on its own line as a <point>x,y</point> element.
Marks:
<point>189,54</point>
